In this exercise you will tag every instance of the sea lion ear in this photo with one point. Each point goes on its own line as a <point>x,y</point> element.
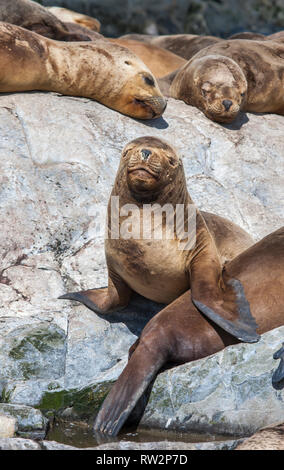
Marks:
<point>226,306</point>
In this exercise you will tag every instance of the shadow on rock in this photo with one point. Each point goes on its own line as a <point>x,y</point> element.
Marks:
<point>238,122</point>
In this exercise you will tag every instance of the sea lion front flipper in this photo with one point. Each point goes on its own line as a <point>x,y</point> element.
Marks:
<point>225,304</point>
<point>278,375</point>
<point>103,299</point>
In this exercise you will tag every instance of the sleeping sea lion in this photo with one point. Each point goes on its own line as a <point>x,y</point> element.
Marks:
<point>233,76</point>
<point>176,251</point>
<point>105,72</point>
<point>69,16</point>
<point>248,35</point>
<point>183,45</point>
<point>30,15</point>
<point>160,61</point>
<point>180,334</point>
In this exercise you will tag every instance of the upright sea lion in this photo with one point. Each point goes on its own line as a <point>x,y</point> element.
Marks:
<point>183,45</point>
<point>99,70</point>
<point>69,16</point>
<point>160,61</point>
<point>233,76</point>
<point>179,333</point>
<point>30,15</point>
<point>150,178</point>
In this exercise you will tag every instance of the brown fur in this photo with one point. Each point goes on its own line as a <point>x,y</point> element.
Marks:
<point>69,16</point>
<point>30,15</point>
<point>183,45</point>
<point>268,438</point>
<point>248,74</point>
<point>158,60</point>
<point>134,264</point>
<point>179,333</point>
<point>248,35</point>
<point>99,70</point>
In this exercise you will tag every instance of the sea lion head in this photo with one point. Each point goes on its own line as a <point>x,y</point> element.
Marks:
<point>214,84</point>
<point>138,94</point>
<point>150,166</point>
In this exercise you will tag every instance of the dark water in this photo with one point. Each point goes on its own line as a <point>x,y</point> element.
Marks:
<point>80,435</point>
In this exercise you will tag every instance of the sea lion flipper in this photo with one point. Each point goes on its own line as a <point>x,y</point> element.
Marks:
<point>230,310</point>
<point>278,375</point>
<point>142,367</point>
<point>91,298</point>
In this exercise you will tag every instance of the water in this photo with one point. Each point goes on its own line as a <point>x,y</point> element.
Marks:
<point>80,435</point>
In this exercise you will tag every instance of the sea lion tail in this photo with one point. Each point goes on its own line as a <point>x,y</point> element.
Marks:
<point>278,375</point>
<point>144,364</point>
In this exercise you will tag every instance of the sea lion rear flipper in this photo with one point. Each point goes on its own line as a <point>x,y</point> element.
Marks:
<point>143,365</point>
<point>278,375</point>
<point>227,307</point>
<point>91,298</point>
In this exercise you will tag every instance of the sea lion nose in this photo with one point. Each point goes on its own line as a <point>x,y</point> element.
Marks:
<point>145,154</point>
<point>227,104</point>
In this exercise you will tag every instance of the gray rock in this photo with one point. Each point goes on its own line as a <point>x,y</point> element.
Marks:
<point>59,157</point>
<point>220,18</point>
<point>30,422</point>
<point>227,393</point>
<point>18,443</point>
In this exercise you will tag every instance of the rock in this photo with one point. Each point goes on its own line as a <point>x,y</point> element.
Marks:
<point>216,17</point>
<point>59,157</point>
<point>30,422</point>
<point>18,444</point>
<point>8,426</point>
<point>226,393</point>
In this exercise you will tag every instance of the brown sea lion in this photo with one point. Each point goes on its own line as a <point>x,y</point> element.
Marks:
<point>160,61</point>
<point>183,45</point>
<point>233,76</point>
<point>151,176</point>
<point>99,70</point>
<point>268,438</point>
<point>30,15</point>
<point>69,16</point>
<point>180,334</point>
<point>279,37</point>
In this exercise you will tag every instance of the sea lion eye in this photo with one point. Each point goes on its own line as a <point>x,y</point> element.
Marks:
<point>149,80</point>
<point>172,161</point>
<point>243,94</point>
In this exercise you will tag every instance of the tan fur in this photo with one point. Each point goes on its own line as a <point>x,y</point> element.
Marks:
<point>268,438</point>
<point>160,61</point>
<point>69,16</point>
<point>99,70</point>
<point>30,15</point>
<point>183,45</point>
<point>248,74</point>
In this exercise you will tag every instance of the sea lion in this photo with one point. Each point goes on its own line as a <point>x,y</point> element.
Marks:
<point>99,70</point>
<point>160,61</point>
<point>30,15</point>
<point>268,438</point>
<point>248,35</point>
<point>183,45</point>
<point>233,76</point>
<point>151,176</point>
<point>180,334</point>
<point>279,37</point>
<point>69,16</point>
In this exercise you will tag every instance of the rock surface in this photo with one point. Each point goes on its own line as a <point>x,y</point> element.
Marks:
<point>8,426</point>
<point>216,17</point>
<point>58,160</point>
<point>29,422</point>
